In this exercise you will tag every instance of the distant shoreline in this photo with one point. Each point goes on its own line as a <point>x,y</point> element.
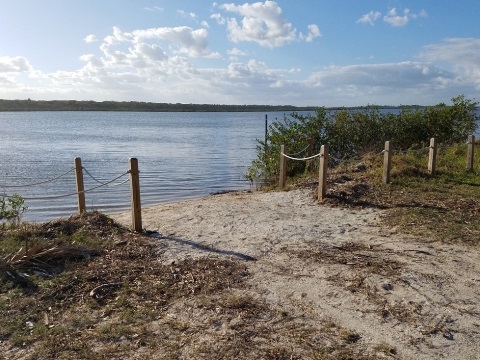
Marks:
<point>135,106</point>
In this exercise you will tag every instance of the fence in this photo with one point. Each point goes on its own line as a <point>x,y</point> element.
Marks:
<point>80,192</point>
<point>387,162</point>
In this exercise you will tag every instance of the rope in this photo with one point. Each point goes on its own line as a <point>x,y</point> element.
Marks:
<point>101,182</point>
<point>301,151</point>
<point>301,159</point>
<point>77,192</point>
<point>38,183</point>
<point>377,154</point>
<point>118,184</point>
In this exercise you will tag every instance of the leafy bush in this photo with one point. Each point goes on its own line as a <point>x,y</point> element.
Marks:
<point>351,133</point>
<point>11,210</point>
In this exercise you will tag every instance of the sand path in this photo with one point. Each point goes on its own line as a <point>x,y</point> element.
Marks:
<point>334,264</point>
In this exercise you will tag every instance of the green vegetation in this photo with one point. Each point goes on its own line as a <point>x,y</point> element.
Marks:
<point>11,210</point>
<point>352,133</point>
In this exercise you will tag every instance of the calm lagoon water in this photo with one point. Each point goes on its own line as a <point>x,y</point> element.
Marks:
<point>180,155</point>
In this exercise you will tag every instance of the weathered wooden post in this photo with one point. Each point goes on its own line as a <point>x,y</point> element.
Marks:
<point>387,162</point>
<point>283,168</point>
<point>322,173</point>
<point>432,156</point>
<point>80,185</point>
<point>470,150</point>
<point>135,193</point>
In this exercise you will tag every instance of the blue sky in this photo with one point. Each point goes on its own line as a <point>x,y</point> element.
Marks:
<point>298,52</point>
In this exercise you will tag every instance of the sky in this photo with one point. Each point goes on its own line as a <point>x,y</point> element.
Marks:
<point>284,52</point>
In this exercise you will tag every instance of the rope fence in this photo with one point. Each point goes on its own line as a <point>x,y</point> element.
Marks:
<point>81,191</point>
<point>387,153</point>
<point>39,183</point>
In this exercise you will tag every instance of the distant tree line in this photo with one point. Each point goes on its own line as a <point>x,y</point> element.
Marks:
<point>136,106</point>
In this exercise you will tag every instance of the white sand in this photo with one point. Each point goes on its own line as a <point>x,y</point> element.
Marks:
<point>418,297</point>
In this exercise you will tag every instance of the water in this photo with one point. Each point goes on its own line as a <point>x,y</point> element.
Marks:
<point>180,155</point>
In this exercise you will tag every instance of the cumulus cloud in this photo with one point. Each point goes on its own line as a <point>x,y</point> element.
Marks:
<point>183,40</point>
<point>313,32</point>
<point>369,18</point>
<point>218,18</point>
<point>14,64</point>
<point>262,23</point>
<point>139,58</point>
<point>90,39</point>
<point>396,20</point>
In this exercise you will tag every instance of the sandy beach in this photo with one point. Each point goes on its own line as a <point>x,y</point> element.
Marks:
<point>402,297</point>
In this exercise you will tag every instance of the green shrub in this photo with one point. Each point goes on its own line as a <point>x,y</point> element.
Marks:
<point>352,133</point>
<point>11,210</point>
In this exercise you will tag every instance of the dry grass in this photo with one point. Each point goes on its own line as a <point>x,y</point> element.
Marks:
<point>444,207</point>
<point>122,302</point>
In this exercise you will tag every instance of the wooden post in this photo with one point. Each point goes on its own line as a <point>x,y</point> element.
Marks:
<point>322,174</point>
<point>432,156</point>
<point>470,150</point>
<point>387,162</point>
<point>283,168</point>
<point>80,185</point>
<point>135,193</point>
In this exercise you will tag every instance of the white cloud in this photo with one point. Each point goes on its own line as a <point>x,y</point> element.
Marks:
<point>392,17</point>
<point>219,18</point>
<point>313,32</point>
<point>462,53</point>
<point>236,52</point>
<point>154,8</point>
<point>396,20</point>
<point>184,40</point>
<point>369,18</point>
<point>389,75</point>
<point>421,14</point>
<point>187,14</point>
<point>16,64</point>
<point>262,23</point>
<point>90,39</point>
